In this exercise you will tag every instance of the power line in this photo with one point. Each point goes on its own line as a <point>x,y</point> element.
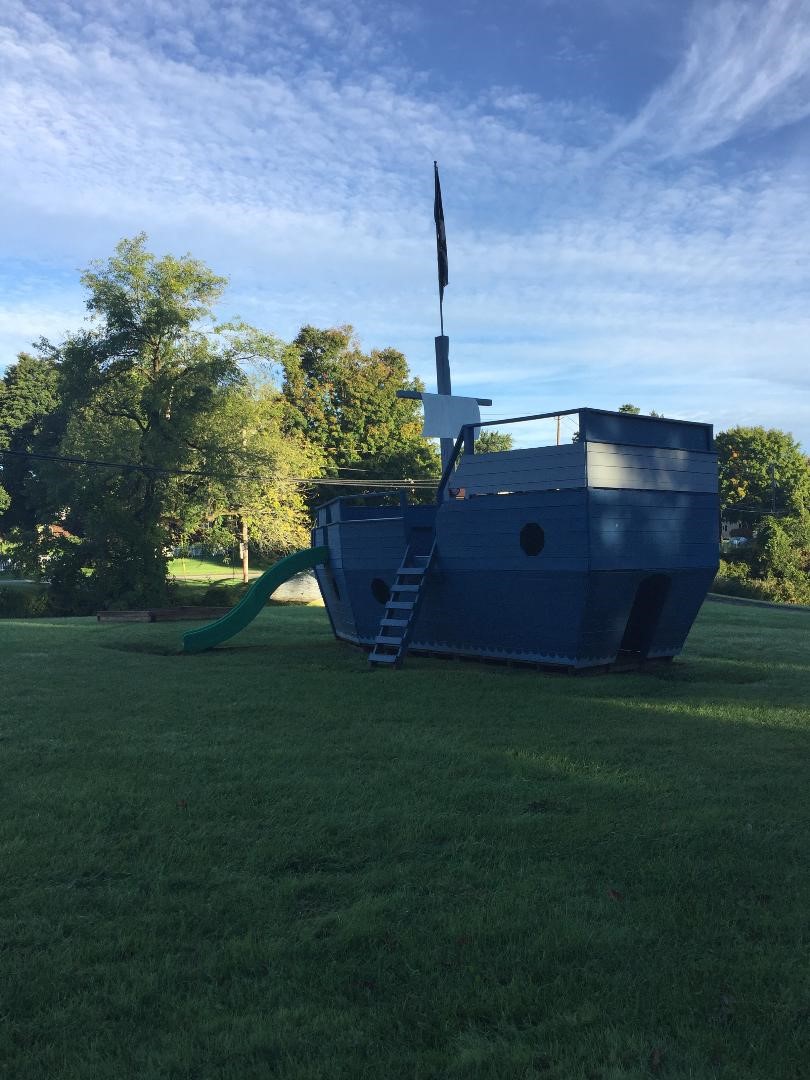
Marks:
<point>244,455</point>
<point>728,511</point>
<point>132,466</point>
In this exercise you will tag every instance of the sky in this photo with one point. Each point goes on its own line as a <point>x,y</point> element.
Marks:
<point>626,183</point>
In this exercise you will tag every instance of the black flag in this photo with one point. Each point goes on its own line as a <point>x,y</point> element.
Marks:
<point>441,239</point>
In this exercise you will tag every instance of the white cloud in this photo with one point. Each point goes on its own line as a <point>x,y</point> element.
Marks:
<point>310,184</point>
<point>24,321</point>
<point>746,69</point>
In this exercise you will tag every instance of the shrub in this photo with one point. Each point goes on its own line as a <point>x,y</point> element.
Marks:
<point>785,558</point>
<point>734,579</point>
<point>24,603</point>
<point>74,590</point>
<point>219,596</point>
<point>786,590</point>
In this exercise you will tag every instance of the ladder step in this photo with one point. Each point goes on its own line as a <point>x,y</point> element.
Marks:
<point>394,634</point>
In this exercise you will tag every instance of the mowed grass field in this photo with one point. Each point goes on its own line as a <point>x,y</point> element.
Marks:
<point>212,571</point>
<point>270,861</point>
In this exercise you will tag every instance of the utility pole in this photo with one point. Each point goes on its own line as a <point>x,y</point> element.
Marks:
<point>773,487</point>
<point>558,431</point>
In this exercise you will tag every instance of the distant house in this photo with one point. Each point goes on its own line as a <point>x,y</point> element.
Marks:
<point>58,532</point>
<point>730,529</point>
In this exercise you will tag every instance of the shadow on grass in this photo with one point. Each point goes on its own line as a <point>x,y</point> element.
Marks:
<point>142,647</point>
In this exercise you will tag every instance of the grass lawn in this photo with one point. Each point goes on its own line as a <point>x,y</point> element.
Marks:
<point>208,570</point>
<point>270,861</point>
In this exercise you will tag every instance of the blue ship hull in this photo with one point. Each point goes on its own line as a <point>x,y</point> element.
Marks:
<point>574,556</point>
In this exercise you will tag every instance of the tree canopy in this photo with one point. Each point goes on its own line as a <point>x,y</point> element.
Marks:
<point>635,410</point>
<point>760,470</point>
<point>344,401</point>
<point>140,385</point>
<point>253,468</point>
<point>29,396</point>
<point>491,441</point>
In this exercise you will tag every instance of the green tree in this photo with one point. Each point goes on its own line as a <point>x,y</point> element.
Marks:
<point>253,471</point>
<point>29,399</point>
<point>490,441</point>
<point>137,387</point>
<point>784,557</point>
<point>344,402</point>
<point>634,410</point>
<point>759,467</point>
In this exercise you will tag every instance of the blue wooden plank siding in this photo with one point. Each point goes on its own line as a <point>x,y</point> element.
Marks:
<point>485,532</point>
<point>354,551</point>
<point>528,616</point>
<point>650,468</point>
<point>632,430</point>
<point>640,529</point>
<point>537,469</point>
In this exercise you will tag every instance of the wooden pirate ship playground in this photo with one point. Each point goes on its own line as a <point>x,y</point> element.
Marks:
<point>583,555</point>
<point>578,556</point>
<point>592,554</point>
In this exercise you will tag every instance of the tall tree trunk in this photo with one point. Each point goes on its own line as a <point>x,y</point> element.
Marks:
<point>243,547</point>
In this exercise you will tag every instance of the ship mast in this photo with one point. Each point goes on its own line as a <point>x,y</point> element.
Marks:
<point>445,422</point>
<point>442,342</point>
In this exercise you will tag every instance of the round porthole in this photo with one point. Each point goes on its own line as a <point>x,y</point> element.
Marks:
<point>380,591</point>
<point>532,538</point>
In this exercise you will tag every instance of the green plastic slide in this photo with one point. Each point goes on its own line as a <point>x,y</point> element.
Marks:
<point>253,601</point>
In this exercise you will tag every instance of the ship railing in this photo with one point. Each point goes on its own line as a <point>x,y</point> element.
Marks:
<point>466,440</point>
<point>631,430</point>
<point>329,513</point>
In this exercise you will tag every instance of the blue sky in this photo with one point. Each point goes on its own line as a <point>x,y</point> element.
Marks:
<point>626,183</point>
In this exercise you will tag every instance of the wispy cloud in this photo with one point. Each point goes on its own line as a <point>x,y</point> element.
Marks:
<point>745,70</point>
<point>276,150</point>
